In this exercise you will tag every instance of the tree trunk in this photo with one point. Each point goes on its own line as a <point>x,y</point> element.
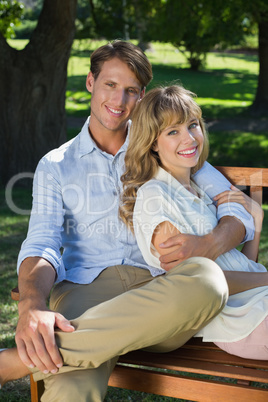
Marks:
<point>260,104</point>
<point>32,90</point>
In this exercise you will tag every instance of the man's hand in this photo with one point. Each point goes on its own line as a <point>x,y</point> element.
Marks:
<point>186,246</point>
<point>35,330</point>
<point>228,234</point>
<point>36,340</point>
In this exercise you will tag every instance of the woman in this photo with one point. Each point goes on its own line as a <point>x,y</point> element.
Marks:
<point>168,144</point>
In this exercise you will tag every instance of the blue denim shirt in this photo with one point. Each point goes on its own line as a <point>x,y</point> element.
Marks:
<point>74,222</point>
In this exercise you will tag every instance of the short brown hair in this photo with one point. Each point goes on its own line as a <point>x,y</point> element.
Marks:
<point>130,54</point>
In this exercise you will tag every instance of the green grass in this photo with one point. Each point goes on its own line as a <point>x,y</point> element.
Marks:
<point>225,88</point>
<point>234,148</point>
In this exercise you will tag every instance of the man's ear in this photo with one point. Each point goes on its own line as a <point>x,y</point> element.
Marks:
<point>90,82</point>
<point>142,94</point>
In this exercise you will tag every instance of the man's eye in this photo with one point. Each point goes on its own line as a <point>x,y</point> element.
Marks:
<point>110,84</point>
<point>132,91</point>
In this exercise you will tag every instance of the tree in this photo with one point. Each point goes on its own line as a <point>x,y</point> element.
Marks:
<point>196,27</point>
<point>85,24</point>
<point>32,90</point>
<point>123,18</point>
<point>260,104</point>
<point>10,14</point>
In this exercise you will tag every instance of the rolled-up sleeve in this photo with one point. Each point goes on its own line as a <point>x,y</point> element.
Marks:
<point>46,221</point>
<point>213,183</point>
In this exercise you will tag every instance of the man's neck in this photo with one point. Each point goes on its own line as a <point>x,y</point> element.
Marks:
<point>110,144</point>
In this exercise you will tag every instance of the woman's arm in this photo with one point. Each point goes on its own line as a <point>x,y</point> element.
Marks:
<point>163,232</point>
<point>250,248</point>
<point>227,235</point>
<point>240,281</point>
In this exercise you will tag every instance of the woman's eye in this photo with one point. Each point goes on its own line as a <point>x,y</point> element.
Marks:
<point>193,125</point>
<point>173,132</point>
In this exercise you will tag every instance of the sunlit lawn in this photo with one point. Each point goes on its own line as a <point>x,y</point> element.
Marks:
<point>225,88</point>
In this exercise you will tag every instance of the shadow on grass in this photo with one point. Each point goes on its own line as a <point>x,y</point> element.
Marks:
<point>251,56</point>
<point>219,84</point>
<point>223,84</point>
<point>16,391</point>
<point>233,148</point>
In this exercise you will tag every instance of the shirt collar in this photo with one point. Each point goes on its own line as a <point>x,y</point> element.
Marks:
<point>163,175</point>
<point>87,144</point>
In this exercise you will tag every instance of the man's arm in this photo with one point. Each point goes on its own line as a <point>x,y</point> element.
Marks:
<point>227,235</point>
<point>238,281</point>
<point>35,330</point>
<point>213,183</point>
<point>250,248</point>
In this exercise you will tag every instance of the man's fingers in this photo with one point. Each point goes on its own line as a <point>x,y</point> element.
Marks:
<point>172,241</point>
<point>169,266</point>
<point>63,324</point>
<point>23,354</point>
<point>234,188</point>
<point>29,357</point>
<point>40,349</point>
<point>49,352</point>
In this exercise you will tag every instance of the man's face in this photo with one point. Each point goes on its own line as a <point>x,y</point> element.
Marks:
<point>114,96</point>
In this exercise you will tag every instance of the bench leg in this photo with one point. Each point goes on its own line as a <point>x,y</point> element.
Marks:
<point>37,389</point>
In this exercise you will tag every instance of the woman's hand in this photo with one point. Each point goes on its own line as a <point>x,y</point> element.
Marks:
<point>235,195</point>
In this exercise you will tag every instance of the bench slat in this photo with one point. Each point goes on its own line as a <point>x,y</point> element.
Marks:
<point>210,365</point>
<point>175,386</point>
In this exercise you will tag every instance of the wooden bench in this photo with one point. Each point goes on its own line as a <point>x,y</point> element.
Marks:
<point>197,371</point>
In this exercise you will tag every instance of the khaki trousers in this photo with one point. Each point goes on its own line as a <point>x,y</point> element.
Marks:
<point>126,309</point>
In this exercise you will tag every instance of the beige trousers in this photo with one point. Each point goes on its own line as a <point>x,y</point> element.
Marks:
<point>126,309</point>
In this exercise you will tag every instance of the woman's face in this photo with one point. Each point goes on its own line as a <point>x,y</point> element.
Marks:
<point>179,146</point>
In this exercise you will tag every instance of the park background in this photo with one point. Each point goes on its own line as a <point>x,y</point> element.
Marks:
<point>211,48</point>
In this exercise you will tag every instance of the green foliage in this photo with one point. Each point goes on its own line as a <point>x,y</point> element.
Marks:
<point>25,29</point>
<point>10,14</point>
<point>122,18</point>
<point>29,20</point>
<point>197,27</point>
<point>85,24</point>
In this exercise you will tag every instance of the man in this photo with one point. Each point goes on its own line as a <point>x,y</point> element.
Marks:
<point>101,274</point>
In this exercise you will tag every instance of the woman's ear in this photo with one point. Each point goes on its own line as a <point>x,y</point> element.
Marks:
<point>155,146</point>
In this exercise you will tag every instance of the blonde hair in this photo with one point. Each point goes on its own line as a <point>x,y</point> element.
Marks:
<point>159,108</point>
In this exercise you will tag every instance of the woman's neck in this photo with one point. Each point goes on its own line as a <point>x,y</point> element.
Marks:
<point>184,178</point>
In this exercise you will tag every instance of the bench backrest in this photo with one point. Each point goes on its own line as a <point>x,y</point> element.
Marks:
<point>255,178</point>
